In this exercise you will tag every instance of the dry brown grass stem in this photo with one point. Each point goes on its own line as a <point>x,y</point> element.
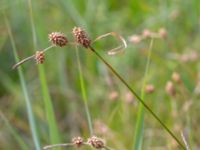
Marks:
<point>118,49</point>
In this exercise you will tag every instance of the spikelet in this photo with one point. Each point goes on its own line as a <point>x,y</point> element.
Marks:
<point>58,39</point>
<point>39,57</point>
<point>81,37</point>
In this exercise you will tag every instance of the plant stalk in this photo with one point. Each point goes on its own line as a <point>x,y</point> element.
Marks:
<point>136,95</point>
<point>84,94</point>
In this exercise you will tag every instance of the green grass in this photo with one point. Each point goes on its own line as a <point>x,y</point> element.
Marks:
<point>70,94</point>
<point>25,92</point>
<point>138,137</point>
<point>49,110</point>
<point>84,94</point>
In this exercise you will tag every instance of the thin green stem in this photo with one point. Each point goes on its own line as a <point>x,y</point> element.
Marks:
<point>84,95</point>
<point>136,95</point>
<point>25,91</point>
<point>58,145</point>
<point>51,119</point>
<point>48,106</point>
<point>137,144</point>
<point>32,24</point>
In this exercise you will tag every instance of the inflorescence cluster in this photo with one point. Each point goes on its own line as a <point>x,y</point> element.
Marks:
<point>93,141</point>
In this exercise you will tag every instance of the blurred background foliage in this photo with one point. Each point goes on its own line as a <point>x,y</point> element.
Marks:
<point>112,108</point>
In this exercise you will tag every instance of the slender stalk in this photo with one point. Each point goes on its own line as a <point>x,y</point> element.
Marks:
<point>49,110</point>
<point>136,95</point>
<point>30,57</point>
<point>137,144</point>
<point>84,95</point>
<point>54,135</point>
<point>70,145</point>
<point>31,117</point>
<point>22,61</point>
<point>58,145</point>
<point>32,24</point>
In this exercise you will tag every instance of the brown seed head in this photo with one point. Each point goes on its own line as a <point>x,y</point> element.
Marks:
<point>170,89</point>
<point>58,39</point>
<point>149,88</point>
<point>96,142</point>
<point>81,37</point>
<point>78,141</point>
<point>39,57</point>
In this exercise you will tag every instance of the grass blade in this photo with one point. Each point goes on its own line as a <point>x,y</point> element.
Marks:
<point>138,137</point>
<point>53,129</point>
<point>83,91</point>
<point>25,91</point>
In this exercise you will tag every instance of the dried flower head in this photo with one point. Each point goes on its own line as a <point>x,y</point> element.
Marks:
<point>149,88</point>
<point>58,39</point>
<point>96,142</point>
<point>81,37</point>
<point>78,141</point>
<point>170,89</point>
<point>39,57</point>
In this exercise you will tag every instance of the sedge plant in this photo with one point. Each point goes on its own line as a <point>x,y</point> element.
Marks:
<point>82,39</point>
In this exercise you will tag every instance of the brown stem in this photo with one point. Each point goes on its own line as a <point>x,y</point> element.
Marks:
<point>58,145</point>
<point>30,57</point>
<point>22,61</point>
<point>138,97</point>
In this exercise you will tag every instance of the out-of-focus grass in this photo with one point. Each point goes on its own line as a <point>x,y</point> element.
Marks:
<point>113,117</point>
<point>84,93</point>
<point>49,110</point>
<point>30,113</point>
<point>139,131</point>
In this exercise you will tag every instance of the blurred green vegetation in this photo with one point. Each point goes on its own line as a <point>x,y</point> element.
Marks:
<point>113,110</point>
